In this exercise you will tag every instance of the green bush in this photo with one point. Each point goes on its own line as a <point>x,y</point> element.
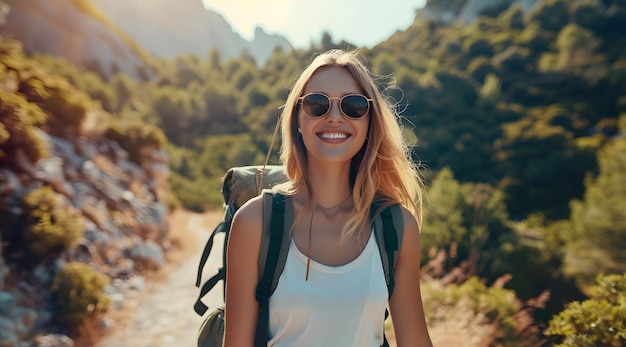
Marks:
<point>78,293</point>
<point>494,311</point>
<point>479,68</point>
<point>133,136</point>
<point>66,106</point>
<point>599,321</point>
<point>551,14</point>
<point>52,225</point>
<point>18,129</point>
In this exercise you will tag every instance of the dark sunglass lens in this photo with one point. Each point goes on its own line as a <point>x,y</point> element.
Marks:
<point>355,106</point>
<point>315,105</point>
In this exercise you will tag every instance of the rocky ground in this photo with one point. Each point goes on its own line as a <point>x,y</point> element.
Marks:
<point>163,314</point>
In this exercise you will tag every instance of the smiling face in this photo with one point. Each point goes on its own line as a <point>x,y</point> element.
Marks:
<point>333,137</point>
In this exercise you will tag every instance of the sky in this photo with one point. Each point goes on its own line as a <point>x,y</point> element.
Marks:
<point>363,23</point>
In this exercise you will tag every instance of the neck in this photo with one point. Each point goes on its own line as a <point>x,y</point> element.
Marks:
<point>330,184</point>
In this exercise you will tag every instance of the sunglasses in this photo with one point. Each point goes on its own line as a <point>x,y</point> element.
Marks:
<point>318,105</point>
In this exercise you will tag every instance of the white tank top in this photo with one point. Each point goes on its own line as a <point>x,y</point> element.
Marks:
<point>338,306</point>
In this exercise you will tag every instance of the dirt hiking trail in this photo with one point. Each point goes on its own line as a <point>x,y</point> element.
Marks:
<point>162,314</point>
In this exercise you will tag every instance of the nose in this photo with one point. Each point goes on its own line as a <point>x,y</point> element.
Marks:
<point>334,113</point>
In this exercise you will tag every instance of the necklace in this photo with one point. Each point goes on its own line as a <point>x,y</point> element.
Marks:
<point>329,209</point>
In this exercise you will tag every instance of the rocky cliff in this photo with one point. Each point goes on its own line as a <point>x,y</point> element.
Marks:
<point>61,29</point>
<point>118,35</point>
<point>125,229</point>
<point>168,28</point>
<point>82,209</point>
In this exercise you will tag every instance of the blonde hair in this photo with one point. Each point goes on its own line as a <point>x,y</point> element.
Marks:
<point>381,170</point>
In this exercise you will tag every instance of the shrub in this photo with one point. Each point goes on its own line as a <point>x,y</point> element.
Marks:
<point>479,68</point>
<point>493,313</point>
<point>18,129</point>
<point>66,106</point>
<point>551,14</point>
<point>132,136</point>
<point>52,224</point>
<point>78,292</point>
<point>599,321</point>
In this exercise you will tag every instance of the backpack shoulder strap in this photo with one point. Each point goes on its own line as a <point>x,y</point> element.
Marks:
<point>389,230</point>
<point>277,219</point>
<point>223,227</point>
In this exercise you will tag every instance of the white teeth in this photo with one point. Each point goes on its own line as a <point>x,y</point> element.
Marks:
<point>334,136</point>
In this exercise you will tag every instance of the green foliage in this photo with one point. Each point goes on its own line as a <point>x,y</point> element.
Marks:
<point>513,16</point>
<point>491,90</point>
<point>587,14</point>
<point>124,88</point>
<point>479,68</point>
<point>472,217</point>
<point>598,321</point>
<point>494,307</point>
<point>534,37</point>
<point>550,14</point>
<point>196,194</point>
<point>175,111</point>
<point>514,58</point>
<point>599,224</point>
<point>188,69</point>
<point>66,107</point>
<point>53,225</point>
<point>18,129</point>
<point>576,47</point>
<point>78,294</point>
<point>545,137</point>
<point>134,136</point>
<point>469,221</point>
<point>477,46</point>
<point>84,80</point>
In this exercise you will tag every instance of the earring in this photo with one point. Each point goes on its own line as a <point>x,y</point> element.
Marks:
<point>300,130</point>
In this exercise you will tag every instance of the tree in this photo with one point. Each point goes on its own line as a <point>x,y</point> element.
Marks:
<point>215,61</point>
<point>599,222</point>
<point>470,216</point>
<point>550,14</point>
<point>513,16</point>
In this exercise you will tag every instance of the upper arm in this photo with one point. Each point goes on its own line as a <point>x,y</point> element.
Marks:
<point>242,274</point>
<point>405,304</point>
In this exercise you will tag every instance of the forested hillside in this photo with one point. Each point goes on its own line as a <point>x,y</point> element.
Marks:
<point>518,119</point>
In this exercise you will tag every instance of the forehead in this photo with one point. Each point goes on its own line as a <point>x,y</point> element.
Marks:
<point>332,80</point>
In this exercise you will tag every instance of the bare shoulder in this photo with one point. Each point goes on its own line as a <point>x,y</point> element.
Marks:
<point>247,224</point>
<point>251,212</point>
<point>411,237</point>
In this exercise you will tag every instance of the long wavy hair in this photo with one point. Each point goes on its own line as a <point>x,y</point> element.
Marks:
<point>382,169</point>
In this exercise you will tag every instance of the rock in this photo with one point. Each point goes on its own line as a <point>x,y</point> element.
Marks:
<point>8,302</point>
<point>9,182</point>
<point>54,340</point>
<point>8,338</point>
<point>148,255</point>
<point>25,319</point>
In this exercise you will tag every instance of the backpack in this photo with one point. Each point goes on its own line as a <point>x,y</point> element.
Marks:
<point>243,183</point>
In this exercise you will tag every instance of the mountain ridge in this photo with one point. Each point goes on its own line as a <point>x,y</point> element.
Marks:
<point>111,36</point>
<point>187,27</point>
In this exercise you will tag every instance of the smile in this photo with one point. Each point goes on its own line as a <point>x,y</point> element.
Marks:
<point>333,136</point>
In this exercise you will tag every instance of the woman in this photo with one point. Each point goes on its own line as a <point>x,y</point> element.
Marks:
<point>342,148</point>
